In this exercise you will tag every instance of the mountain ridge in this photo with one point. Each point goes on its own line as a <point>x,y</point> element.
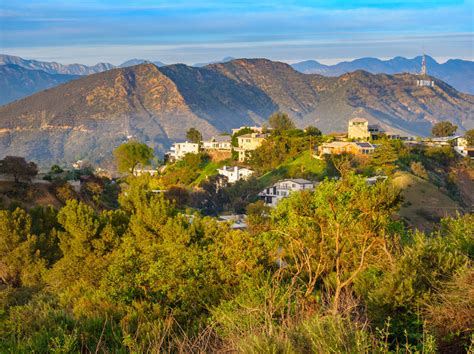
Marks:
<point>86,118</point>
<point>449,71</point>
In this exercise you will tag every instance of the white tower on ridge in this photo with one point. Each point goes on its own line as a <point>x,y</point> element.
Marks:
<point>423,65</point>
<point>424,82</point>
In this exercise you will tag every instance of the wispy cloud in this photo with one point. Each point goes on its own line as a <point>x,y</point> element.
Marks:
<point>189,31</point>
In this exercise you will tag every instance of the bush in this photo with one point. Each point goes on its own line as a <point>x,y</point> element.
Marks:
<point>418,169</point>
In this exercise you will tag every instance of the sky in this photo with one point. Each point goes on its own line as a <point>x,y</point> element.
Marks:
<point>187,31</point>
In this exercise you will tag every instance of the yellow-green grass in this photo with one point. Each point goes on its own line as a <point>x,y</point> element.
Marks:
<point>424,203</point>
<point>302,165</point>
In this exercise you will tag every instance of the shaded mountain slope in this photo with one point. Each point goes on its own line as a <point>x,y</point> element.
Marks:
<point>17,82</point>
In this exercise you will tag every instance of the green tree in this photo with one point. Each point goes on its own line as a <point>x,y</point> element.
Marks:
<point>131,154</point>
<point>329,237</point>
<point>193,135</point>
<point>443,129</point>
<point>313,131</point>
<point>20,264</point>
<point>280,121</point>
<point>385,156</point>
<point>18,168</point>
<point>469,136</point>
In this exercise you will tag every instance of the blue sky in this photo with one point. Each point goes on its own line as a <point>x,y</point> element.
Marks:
<point>90,31</point>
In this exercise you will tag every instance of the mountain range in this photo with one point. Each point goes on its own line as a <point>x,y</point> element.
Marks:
<point>87,117</point>
<point>17,82</point>
<point>458,73</point>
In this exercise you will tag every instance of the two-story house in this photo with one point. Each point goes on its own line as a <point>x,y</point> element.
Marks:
<point>178,150</point>
<point>235,173</point>
<point>248,143</point>
<point>223,142</point>
<point>360,129</point>
<point>282,189</point>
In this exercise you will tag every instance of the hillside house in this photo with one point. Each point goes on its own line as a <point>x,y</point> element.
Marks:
<point>235,173</point>
<point>255,129</point>
<point>143,171</point>
<point>178,150</point>
<point>282,189</point>
<point>223,142</point>
<point>345,147</point>
<point>248,143</point>
<point>360,129</point>
<point>462,148</point>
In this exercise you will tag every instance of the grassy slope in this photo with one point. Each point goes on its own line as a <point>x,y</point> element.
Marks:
<point>423,202</point>
<point>209,170</point>
<point>303,164</point>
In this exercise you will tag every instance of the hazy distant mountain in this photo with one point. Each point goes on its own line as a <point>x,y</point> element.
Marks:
<point>17,82</point>
<point>55,68</point>
<point>88,117</point>
<point>458,73</point>
<point>133,62</point>
<point>224,60</point>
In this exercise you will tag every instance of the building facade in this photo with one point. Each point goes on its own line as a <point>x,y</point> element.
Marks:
<point>178,150</point>
<point>248,143</point>
<point>345,147</point>
<point>360,129</point>
<point>235,173</point>
<point>223,142</point>
<point>282,189</point>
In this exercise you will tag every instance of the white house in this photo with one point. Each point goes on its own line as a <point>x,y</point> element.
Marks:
<point>462,147</point>
<point>142,171</point>
<point>282,189</point>
<point>178,150</point>
<point>235,173</point>
<point>223,142</point>
<point>255,129</point>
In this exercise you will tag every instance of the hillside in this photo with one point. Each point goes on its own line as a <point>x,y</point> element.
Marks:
<point>87,117</point>
<point>17,82</point>
<point>457,73</point>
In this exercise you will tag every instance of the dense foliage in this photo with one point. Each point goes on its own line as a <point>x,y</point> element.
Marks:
<point>443,129</point>
<point>326,271</point>
<point>131,154</point>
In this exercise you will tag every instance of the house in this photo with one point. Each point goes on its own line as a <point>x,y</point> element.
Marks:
<point>255,129</point>
<point>235,173</point>
<point>282,189</point>
<point>223,142</point>
<point>81,164</point>
<point>360,129</point>
<point>441,141</point>
<point>236,221</point>
<point>178,150</point>
<point>345,147</point>
<point>462,148</point>
<point>248,143</point>
<point>142,171</point>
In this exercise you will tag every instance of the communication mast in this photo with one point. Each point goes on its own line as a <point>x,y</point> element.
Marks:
<point>423,66</point>
<point>424,82</point>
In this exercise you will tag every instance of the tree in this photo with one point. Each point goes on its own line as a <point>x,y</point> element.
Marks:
<point>129,155</point>
<point>280,121</point>
<point>313,131</point>
<point>329,237</point>
<point>469,136</point>
<point>194,135</point>
<point>443,129</point>
<point>18,168</point>
<point>385,157</point>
